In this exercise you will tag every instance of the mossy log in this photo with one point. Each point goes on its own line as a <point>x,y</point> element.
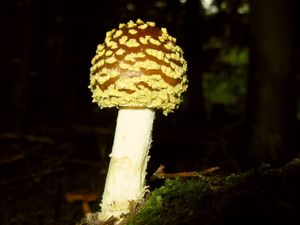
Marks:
<point>258,196</point>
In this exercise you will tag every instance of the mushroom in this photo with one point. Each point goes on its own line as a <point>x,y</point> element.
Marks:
<point>83,197</point>
<point>138,68</point>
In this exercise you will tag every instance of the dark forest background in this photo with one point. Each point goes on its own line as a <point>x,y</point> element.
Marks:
<point>242,107</point>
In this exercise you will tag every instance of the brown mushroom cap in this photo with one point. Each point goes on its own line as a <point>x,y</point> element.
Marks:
<point>81,196</point>
<point>139,65</point>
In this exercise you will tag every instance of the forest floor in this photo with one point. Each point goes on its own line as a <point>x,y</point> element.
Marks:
<point>40,169</point>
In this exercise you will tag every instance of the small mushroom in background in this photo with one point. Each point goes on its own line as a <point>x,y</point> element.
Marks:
<point>83,197</point>
<point>138,69</point>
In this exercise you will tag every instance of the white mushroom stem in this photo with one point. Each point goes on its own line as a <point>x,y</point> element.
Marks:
<point>125,181</point>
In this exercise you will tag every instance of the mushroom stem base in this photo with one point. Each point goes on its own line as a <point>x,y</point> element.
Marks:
<point>125,181</point>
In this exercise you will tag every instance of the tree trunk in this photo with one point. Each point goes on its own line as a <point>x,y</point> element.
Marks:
<point>19,47</point>
<point>271,106</point>
<point>195,59</point>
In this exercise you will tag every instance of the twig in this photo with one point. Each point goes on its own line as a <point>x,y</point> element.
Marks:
<point>35,176</point>
<point>28,137</point>
<point>12,158</point>
<point>161,174</point>
<point>70,160</point>
<point>209,170</point>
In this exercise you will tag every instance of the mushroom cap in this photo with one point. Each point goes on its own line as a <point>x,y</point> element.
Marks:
<point>81,196</point>
<point>139,66</point>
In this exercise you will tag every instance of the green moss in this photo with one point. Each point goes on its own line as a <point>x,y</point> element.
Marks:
<point>179,199</point>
